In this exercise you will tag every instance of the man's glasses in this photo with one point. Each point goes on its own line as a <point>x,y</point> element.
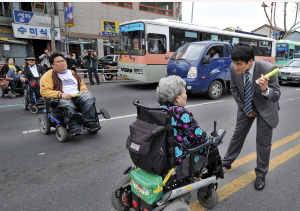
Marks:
<point>60,61</point>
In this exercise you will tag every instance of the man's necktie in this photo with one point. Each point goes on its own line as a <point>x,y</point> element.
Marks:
<point>248,96</point>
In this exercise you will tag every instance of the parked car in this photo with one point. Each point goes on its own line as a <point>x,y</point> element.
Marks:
<point>109,63</point>
<point>111,60</point>
<point>290,72</point>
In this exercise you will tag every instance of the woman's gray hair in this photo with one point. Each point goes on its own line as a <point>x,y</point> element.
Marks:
<point>168,88</point>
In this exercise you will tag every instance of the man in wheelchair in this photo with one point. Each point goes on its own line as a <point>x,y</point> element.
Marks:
<point>32,75</point>
<point>66,86</point>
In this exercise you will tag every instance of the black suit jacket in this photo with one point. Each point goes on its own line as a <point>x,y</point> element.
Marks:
<point>28,74</point>
<point>267,107</point>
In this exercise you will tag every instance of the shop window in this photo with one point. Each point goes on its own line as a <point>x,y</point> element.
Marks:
<point>5,10</point>
<point>120,4</point>
<point>162,8</point>
<point>156,43</point>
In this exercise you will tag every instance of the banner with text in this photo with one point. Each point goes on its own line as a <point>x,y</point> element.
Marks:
<point>35,32</point>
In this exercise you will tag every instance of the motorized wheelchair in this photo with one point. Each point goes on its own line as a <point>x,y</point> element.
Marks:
<point>14,87</point>
<point>178,181</point>
<point>30,100</point>
<point>56,117</point>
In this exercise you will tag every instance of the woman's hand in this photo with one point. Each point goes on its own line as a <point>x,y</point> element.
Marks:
<point>66,96</point>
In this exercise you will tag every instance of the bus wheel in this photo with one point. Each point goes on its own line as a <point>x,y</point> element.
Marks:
<point>215,90</point>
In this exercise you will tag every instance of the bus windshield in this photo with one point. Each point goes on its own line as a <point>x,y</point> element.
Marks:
<point>188,52</point>
<point>132,39</point>
<point>282,51</point>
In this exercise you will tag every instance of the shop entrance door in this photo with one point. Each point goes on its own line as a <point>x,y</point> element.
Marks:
<point>38,47</point>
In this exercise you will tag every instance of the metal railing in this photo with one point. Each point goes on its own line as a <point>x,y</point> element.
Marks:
<point>107,74</point>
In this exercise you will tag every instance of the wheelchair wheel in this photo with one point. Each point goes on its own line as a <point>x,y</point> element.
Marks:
<point>34,109</point>
<point>12,93</point>
<point>1,92</point>
<point>62,134</point>
<point>212,199</point>
<point>117,202</point>
<point>177,206</point>
<point>44,124</point>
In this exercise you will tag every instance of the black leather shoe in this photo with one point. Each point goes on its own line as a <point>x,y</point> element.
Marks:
<point>98,83</point>
<point>259,183</point>
<point>91,84</point>
<point>226,167</point>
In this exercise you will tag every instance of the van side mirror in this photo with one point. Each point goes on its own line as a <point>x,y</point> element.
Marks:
<point>167,57</point>
<point>206,59</point>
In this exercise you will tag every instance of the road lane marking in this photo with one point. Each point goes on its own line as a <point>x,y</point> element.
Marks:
<point>252,155</point>
<point>235,185</point>
<point>10,105</point>
<point>130,115</point>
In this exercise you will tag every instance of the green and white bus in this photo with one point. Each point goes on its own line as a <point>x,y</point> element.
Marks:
<point>286,50</point>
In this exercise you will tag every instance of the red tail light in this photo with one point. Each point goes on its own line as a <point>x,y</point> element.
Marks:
<point>134,204</point>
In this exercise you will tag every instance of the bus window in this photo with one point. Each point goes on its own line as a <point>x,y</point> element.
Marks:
<point>297,51</point>
<point>177,38</point>
<point>226,38</point>
<point>209,36</point>
<point>191,36</point>
<point>156,43</point>
<point>281,51</point>
<point>264,48</point>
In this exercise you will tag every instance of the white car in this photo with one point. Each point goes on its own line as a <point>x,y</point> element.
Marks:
<point>290,72</point>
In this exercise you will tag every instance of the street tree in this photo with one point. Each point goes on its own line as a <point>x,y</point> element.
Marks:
<point>287,29</point>
<point>232,29</point>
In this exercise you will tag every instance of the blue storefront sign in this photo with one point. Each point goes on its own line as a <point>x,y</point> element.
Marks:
<point>132,27</point>
<point>36,19</point>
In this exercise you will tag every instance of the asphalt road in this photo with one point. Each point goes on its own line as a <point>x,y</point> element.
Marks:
<point>40,173</point>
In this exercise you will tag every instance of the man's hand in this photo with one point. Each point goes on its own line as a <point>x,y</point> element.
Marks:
<point>85,91</point>
<point>263,82</point>
<point>66,96</point>
<point>252,114</point>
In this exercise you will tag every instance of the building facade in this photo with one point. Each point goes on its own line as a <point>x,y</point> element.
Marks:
<point>96,23</point>
<point>25,26</point>
<point>25,30</point>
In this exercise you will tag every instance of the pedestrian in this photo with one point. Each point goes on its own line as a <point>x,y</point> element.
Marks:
<point>83,62</point>
<point>91,65</point>
<point>257,98</point>
<point>45,58</point>
<point>71,62</point>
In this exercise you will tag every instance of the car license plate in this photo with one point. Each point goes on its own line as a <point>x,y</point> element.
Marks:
<point>125,77</point>
<point>284,77</point>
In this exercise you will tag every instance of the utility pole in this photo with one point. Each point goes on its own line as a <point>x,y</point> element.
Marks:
<point>192,12</point>
<point>52,13</point>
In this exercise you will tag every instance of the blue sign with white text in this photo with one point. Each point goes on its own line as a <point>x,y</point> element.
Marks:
<point>22,16</point>
<point>132,27</point>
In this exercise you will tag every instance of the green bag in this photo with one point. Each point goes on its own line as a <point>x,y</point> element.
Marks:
<point>147,186</point>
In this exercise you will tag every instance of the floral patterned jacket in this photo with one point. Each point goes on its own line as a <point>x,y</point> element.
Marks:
<point>186,130</point>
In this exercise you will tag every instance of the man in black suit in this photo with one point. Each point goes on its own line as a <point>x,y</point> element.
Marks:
<point>32,73</point>
<point>258,100</point>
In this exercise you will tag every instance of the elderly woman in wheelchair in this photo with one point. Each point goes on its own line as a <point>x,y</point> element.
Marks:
<point>172,156</point>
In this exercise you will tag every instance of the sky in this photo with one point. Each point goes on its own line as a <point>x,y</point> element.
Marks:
<point>247,15</point>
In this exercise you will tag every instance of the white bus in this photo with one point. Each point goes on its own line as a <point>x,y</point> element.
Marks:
<point>145,44</point>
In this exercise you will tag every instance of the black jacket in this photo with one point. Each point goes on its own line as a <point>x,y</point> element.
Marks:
<point>71,64</point>
<point>5,69</point>
<point>28,74</point>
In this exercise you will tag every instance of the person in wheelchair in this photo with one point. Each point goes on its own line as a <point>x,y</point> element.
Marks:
<point>63,84</point>
<point>32,73</point>
<point>171,93</point>
<point>12,71</point>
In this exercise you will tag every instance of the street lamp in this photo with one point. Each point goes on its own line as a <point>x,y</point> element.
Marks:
<point>270,21</point>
